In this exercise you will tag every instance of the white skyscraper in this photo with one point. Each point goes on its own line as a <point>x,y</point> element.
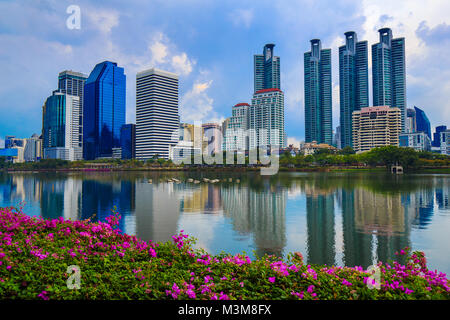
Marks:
<point>156,113</point>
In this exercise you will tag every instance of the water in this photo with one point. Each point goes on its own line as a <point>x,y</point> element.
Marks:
<point>332,218</point>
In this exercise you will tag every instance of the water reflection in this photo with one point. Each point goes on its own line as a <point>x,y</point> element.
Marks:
<point>350,219</point>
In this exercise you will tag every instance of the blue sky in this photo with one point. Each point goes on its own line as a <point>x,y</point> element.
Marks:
<point>210,44</point>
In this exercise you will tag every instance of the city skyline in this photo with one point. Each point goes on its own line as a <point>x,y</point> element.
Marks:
<point>202,82</point>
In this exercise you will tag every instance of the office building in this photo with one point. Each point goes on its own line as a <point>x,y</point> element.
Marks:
<point>353,83</point>
<point>33,149</point>
<point>157,118</point>
<point>103,110</point>
<point>266,69</point>
<point>389,73</point>
<point>62,128</point>
<point>318,116</point>
<point>422,122</point>
<point>128,141</point>
<point>236,133</point>
<point>266,119</point>
<point>419,141</point>
<point>375,127</point>
<point>437,136</point>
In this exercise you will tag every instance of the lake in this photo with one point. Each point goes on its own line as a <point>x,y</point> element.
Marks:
<point>352,218</point>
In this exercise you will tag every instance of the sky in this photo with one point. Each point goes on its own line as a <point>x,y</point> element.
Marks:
<point>210,45</point>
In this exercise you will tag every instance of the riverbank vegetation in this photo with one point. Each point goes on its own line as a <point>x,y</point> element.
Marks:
<point>38,258</point>
<point>324,159</point>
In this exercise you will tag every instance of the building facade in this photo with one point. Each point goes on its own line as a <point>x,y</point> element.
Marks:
<point>157,117</point>
<point>103,110</point>
<point>389,73</point>
<point>410,125</point>
<point>422,122</point>
<point>33,149</point>
<point>266,119</point>
<point>266,69</point>
<point>353,83</point>
<point>212,133</point>
<point>236,133</point>
<point>445,142</point>
<point>437,136</point>
<point>419,141</point>
<point>376,127</point>
<point>62,128</point>
<point>128,141</point>
<point>318,116</point>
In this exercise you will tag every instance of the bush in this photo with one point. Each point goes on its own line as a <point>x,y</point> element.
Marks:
<point>35,255</point>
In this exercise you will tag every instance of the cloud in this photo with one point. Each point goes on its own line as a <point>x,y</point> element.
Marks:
<point>182,64</point>
<point>294,140</point>
<point>102,20</point>
<point>196,105</point>
<point>242,17</point>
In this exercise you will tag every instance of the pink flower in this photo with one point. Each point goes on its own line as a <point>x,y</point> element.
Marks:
<point>43,295</point>
<point>272,279</point>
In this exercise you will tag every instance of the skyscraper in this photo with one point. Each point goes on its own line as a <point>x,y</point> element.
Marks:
<point>62,131</point>
<point>128,141</point>
<point>236,133</point>
<point>389,73</point>
<point>103,110</point>
<point>157,117</point>
<point>72,83</point>
<point>267,69</point>
<point>266,119</point>
<point>318,117</point>
<point>422,122</point>
<point>353,83</point>
<point>410,124</point>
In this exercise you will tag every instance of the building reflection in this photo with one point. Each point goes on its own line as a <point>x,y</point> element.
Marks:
<point>157,211</point>
<point>261,213</point>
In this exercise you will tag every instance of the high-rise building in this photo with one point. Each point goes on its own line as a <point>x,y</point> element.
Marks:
<point>33,148</point>
<point>157,118</point>
<point>389,72</point>
<point>353,83</point>
<point>410,125</point>
<point>437,136</point>
<point>72,83</point>
<point>62,128</point>
<point>318,116</point>
<point>103,110</point>
<point>236,133</point>
<point>267,69</point>
<point>376,127</point>
<point>128,141</point>
<point>266,119</point>
<point>422,122</point>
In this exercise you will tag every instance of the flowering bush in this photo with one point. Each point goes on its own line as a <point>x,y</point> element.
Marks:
<point>35,255</point>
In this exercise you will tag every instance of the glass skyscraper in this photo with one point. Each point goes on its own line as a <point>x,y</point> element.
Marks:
<point>389,72</point>
<point>128,141</point>
<point>422,122</point>
<point>318,116</point>
<point>267,69</point>
<point>103,110</point>
<point>353,83</point>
